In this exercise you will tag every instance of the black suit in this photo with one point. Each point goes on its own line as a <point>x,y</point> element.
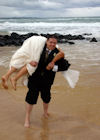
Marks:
<point>42,79</point>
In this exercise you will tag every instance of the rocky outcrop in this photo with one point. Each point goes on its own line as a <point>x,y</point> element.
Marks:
<point>17,40</point>
<point>87,34</point>
<point>93,40</point>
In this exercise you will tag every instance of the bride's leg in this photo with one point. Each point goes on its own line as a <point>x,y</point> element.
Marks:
<point>20,73</point>
<point>6,76</point>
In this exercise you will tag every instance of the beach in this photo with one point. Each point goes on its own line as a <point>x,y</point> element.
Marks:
<point>74,113</point>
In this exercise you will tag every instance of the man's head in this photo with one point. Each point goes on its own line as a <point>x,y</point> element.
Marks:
<point>51,42</point>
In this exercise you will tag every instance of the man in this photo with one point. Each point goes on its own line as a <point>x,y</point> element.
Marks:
<point>42,79</point>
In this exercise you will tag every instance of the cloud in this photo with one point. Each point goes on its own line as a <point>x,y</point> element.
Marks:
<point>51,8</point>
<point>49,4</point>
<point>78,12</point>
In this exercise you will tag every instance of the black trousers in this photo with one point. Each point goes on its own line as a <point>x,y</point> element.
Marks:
<point>33,93</point>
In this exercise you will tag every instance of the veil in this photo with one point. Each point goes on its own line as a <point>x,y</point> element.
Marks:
<point>72,77</point>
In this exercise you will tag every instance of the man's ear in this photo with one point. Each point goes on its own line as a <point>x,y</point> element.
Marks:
<point>46,42</point>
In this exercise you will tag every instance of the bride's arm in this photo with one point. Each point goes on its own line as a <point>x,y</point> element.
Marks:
<point>57,57</point>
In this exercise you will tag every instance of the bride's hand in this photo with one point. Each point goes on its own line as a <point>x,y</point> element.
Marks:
<point>33,63</point>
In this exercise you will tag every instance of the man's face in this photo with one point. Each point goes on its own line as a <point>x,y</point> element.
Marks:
<point>51,43</point>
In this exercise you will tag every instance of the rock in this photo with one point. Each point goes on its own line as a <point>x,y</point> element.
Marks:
<point>93,40</point>
<point>62,41</point>
<point>59,36</point>
<point>87,34</point>
<point>31,34</point>
<point>15,36</point>
<point>78,37</point>
<point>71,43</point>
<point>45,35</point>
<point>6,36</point>
<point>17,40</point>
<point>88,38</point>
<point>74,37</point>
<point>69,37</point>
<point>2,44</point>
<point>2,41</point>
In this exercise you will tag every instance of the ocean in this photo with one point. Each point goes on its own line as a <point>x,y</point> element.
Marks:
<point>65,25</point>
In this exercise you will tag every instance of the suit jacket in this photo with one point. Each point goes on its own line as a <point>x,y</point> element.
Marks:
<point>43,77</point>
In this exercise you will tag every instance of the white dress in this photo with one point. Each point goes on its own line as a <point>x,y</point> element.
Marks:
<point>30,51</point>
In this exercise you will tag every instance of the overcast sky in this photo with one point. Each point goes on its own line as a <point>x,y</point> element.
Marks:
<point>49,8</point>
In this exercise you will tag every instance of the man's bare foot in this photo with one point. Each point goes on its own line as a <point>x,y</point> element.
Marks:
<point>4,82</point>
<point>13,82</point>
<point>27,124</point>
<point>46,115</point>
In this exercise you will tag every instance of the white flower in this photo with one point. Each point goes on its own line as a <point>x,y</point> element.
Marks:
<point>54,54</point>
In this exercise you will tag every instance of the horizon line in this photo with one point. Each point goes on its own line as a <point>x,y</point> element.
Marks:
<point>53,17</point>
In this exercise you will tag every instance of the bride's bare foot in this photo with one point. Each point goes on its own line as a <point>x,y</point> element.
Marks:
<point>46,115</point>
<point>13,82</point>
<point>4,82</point>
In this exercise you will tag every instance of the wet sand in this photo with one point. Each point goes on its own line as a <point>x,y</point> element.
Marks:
<point>74,113</point>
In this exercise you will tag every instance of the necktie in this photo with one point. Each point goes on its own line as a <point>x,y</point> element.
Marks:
<point>46,54</point>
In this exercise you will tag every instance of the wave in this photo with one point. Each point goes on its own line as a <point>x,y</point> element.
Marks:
<point>53,19</point>
<point>51,27</point>
<point>96,24</point>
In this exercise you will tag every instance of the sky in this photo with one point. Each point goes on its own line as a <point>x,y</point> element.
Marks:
<point>49,8</point>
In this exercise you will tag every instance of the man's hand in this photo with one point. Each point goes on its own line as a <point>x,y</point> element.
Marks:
<point>50,66</point>
<point>33,63</point>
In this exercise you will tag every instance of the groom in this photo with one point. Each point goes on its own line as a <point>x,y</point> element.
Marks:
<point>42,79</point>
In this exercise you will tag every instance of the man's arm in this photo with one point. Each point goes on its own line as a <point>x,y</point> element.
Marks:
<point>62,64</point>
<point>57,57</point>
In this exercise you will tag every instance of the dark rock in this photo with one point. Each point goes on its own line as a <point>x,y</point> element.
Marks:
<point>77,37</point>
<point>47,35</point>
<point>74,37</point>
<point>63,41</point>
<point>87,34</point>
<point>43,35</point>
<point>69,37</point>
<point>88,38</point>
<point>80,37</point>
<point>15,35</point>
<point>2,41</point>
<point>6,36</point>
<point>59,36</point>
<point>31,34</point>
<point>71,43</point>
<point>2,44</point>
<point>93,40</point>
<point>17,40</point>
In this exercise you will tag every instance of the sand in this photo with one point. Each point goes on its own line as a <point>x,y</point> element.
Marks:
<point>74,113</point>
